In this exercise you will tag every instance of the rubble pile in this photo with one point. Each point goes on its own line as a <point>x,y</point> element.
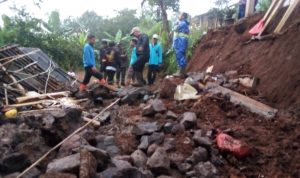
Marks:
<point>145,135</point>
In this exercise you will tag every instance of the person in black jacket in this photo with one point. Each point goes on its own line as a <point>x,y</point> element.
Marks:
<point>121,72</point>
<point>143,54</point>
<point>102,56</point>
<point>112,64</point>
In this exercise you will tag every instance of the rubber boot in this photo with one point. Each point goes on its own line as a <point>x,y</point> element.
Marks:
<point>139,79</point>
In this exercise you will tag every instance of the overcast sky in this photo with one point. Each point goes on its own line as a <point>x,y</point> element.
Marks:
<point>108,8</point>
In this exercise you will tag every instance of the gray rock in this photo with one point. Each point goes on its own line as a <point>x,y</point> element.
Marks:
<point>139,158</point>
<point>67,164</point>
<point>108,144</point>
<point>9,162</point>
<point>144,142</point>
<point>168,127</point>
<point>178,129</point>
<point>190,174</point>
<point>143,128</point>
<point>132,172</point>
<point>205,170</point>
<point>163,176</point>
<point>105,117</point>
<point>169,144</point>
<point>132,95</point>
<point>184,167</point>
<point>203,141</point>
<point>34,172</point>
<point>156,106</point>
<point>57,175</point>
<point>151,149</point>
<point>101,156</point>
<point>159,162</point>
<point>171,115</point>
<point>200,154</point>
<point>121,164</point>
<point>73,143</point>
<point>189,120</point>
<point>156,137</point>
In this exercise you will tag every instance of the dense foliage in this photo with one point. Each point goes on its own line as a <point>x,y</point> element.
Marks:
<point>63,39</point>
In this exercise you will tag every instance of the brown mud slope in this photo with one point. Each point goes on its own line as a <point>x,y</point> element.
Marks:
<point>275,61</point>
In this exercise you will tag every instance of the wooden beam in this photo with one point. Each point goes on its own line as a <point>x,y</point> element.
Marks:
<point>239,99</point>
<point>23,99</point>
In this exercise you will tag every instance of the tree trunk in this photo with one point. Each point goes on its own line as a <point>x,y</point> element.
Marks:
<point>165,21</point>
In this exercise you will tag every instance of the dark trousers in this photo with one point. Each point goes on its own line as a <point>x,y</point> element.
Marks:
<point>89,73</point>
<point>121,74</point>
<point>139,65</point>
<point>110,76</point>
<point>152,70</point>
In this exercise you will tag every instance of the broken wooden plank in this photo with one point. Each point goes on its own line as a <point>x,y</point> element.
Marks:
<point>94,122</point>
<point>239,99</point>
<point>34,103</point>
<point>38,96</point>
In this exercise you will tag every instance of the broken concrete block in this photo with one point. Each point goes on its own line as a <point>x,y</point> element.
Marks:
<point>189,120</point>
<point>88,164</point>
<point>139,159</point>
<point>159,162</point>
<point>67,164</point>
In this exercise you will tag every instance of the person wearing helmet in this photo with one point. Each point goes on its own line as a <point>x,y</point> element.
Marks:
<point>155,59</point>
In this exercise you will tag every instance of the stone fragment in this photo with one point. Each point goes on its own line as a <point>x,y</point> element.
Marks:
<point>139,158</point>
<point>189,120</point>
<point>159,162</point>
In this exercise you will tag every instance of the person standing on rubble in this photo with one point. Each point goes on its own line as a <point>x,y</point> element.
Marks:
<point>102,56</point>
<point>180,42</point>
<point>89,63</point>
<point>121,73</point>
<point>143,54</point>
<point>155,59</point>
<point>113,62</point>
<point>133,58</point>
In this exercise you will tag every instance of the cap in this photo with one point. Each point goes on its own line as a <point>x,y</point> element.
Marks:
<point>134,29</point>
<point>155,36</point>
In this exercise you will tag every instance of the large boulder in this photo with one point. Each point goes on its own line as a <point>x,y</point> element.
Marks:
<point>159,162</point>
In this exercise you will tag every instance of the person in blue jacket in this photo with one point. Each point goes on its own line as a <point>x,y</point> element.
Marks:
<point>180,42</point>
<point>155,59</point>
<point>89,63</point>
<point>133,58</point>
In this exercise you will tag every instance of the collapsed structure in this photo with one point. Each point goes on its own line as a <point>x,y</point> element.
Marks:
<point>216,123</point>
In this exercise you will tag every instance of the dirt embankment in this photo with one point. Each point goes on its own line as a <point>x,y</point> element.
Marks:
<point>275,61</point>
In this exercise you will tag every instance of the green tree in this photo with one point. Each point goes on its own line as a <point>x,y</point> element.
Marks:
<point>162,7</point>
<point>54,22</point>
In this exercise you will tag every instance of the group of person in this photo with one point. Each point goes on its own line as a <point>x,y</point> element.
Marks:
<point>115,63</point>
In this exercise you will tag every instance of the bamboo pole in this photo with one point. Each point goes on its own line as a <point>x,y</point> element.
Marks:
<point>63,141</point>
